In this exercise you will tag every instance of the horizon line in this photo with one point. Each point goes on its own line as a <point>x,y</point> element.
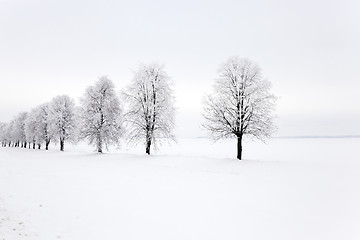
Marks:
<point>301,136</point>
<point>320,136</point>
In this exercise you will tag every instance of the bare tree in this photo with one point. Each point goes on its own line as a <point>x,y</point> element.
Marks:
<point>63,119</point>
<point>101,114</point>
<point>241,103</point>
<point>150,115</point>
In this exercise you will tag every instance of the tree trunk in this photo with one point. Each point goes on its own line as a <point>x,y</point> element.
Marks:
<point>148,144</point>
<point>47,142</point>
<point>25,143</point>
<point>62,144</point>
<point>99,140</point>
<point>239,147</point>
<point>99,144</point>
<point>39,146</point>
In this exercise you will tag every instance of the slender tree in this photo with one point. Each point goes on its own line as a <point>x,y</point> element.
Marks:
<point>101,115</point>
<point>150,102</point>
<point>63,119</point>
<point>241,103</point>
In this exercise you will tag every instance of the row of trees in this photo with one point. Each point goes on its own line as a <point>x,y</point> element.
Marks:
<point>101,119</point>
<point>240,105</point>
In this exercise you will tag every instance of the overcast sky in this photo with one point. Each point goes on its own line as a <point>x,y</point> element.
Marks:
<point>309,50</point>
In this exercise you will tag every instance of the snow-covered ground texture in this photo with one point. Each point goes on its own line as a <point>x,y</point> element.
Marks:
<point>287,189</point>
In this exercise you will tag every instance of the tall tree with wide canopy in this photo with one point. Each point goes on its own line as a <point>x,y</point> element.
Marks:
<point>63,122</point>
<point>101,115</point>
<point>241,103</point>
<point>150,103</point>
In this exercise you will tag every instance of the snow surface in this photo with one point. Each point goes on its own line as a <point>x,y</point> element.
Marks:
<point>288,189</point>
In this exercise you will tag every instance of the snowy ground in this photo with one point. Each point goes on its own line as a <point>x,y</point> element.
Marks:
<point>288,189</point>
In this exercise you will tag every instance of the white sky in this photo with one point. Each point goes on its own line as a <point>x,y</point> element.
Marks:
<point>309,50</point>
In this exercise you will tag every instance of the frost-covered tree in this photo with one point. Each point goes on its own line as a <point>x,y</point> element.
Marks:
<point>241,103</point>
<point>7,133</point>
<point>31,124</point>
<point>150,104</point>
<point>18,130</point>
<point>63,123</point>
<point>22,119</point>
<point>101,115</point>
<point>14,133</point>
<point>11,133</point>
<point>37,126</point>
<point>3,137</point>
<point>42,128</point>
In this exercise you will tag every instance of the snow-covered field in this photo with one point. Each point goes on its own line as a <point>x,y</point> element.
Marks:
<point>288,189</point>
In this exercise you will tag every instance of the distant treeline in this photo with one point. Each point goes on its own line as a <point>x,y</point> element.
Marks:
<point>145,109</point>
